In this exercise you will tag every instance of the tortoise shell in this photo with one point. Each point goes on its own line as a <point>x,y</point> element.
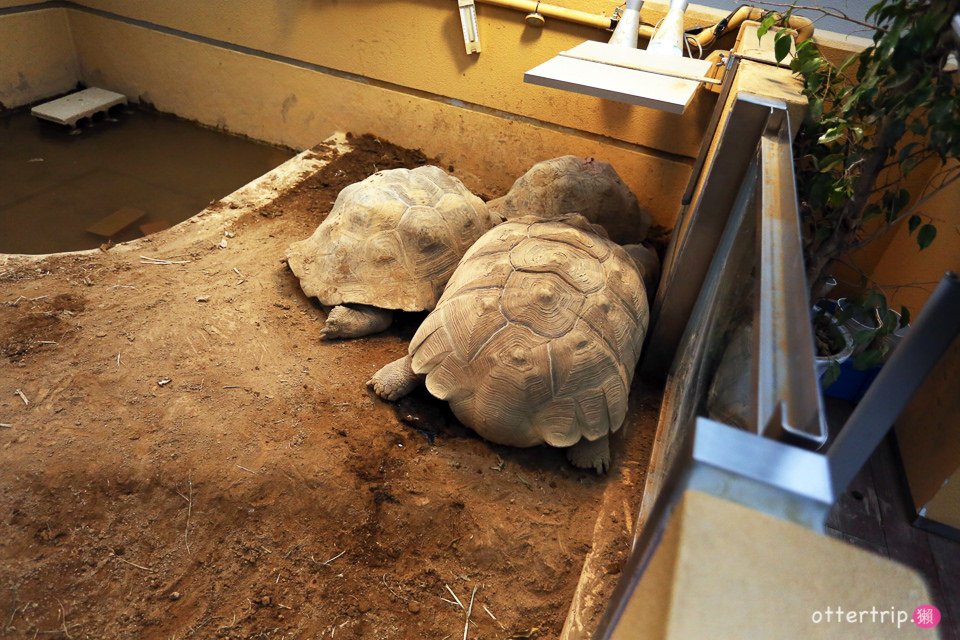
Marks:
<point>391,240</point>
<point>569,184</point>
<point>537,334</point>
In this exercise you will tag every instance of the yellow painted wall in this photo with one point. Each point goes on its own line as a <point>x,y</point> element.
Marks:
<point>418,44</point>
<point>282,103</point>
<point>909,274</point>
<point>6,4</point>
<point>37,57</point>
<point>928,434</point>
<point>722,570</point>
<point>395,68</point>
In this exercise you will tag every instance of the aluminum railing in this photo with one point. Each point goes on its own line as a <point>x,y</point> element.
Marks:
<point>742,282</point>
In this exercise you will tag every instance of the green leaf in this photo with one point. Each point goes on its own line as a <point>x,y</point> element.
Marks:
<point>870,358</point>
<point>832,134</point>
<point>904,316</point>
<point>864,337</point>
<point>830,375</point>
<point>913,223</point>
<point>910,164</point>
<point>874,299</point>
<point>830,162</point>
<point>816,109</point>
<point>819,190</point>
<point>894,202</point>
<point>846,63</point>
<point>890,323</point>
<point>906,150</point>
<point>781,45</point>
<point>926,235</point>
<point>903,199</point>
<point>894,132</point>
<point>765,24</point>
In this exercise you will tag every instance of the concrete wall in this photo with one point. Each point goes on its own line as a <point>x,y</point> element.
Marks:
<point>293,73</point>
<point>928,435</point>
<point>722,570</point>
<point>909,274</point>
<point>37,58</point>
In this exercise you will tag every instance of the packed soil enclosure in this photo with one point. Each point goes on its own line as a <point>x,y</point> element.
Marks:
<point>183,458</point>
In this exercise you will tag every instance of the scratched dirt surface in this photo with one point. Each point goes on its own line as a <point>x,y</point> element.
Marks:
<point>181,457</point>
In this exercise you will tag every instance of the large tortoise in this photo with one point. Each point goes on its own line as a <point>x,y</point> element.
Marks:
<point>391,241</point>
<point>534,340</point>
<point>554,188</point>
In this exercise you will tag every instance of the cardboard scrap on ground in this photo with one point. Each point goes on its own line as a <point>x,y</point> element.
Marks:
<point>116,222</point>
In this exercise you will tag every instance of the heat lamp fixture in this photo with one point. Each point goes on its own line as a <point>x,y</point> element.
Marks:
<point>658,77</point>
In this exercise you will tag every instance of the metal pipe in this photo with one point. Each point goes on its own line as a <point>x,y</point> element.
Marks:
<point>705,37</point>
<point>626,33</point>
<point>553,11</point>
<point>668,39</point>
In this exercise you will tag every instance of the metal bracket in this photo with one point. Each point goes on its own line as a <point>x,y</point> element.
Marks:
<point>788,395</point>
<point>468,20</point>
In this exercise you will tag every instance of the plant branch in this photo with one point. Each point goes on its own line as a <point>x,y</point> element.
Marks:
<point>899,161</point>
<point>851,215</point>
<point>884,288</point>
<point>912,210</point>
<point>827,11</point>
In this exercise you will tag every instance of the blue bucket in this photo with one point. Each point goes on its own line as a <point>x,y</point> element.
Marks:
<point>852,383</point>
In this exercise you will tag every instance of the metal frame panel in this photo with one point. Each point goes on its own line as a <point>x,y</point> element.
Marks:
<point>698,230</point>
<point>937,326</point>
<point>789,404</point>
<point>768,468</point>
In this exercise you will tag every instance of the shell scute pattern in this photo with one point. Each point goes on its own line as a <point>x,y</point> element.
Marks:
<point>574,265</point>
<point>391,241</point>
<point>588,242</point>
<point>470,329</point>
<point>486,271</point>
<point>542,302</point>
<point>625,281</point>
<point>531,342</point>
<point>556,188</point>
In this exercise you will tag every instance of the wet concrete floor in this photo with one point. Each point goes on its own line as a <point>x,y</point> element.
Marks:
<point>54,184</point>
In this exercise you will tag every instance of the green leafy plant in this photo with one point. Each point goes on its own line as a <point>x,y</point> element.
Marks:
<point>873,120</point>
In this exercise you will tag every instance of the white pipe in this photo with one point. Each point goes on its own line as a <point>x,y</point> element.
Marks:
<point>668,38</point>
<point>626,33</point>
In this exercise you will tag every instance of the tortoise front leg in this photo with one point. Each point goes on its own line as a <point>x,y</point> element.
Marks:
<point>395,380</point>
<point>588,454</point>
<point>354,321</point>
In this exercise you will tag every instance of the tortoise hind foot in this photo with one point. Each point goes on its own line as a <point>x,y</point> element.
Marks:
<point>395,380</point>
<point>588,454</point>
<point>354,321</point>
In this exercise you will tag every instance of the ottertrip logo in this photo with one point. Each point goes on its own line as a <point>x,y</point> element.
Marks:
<point>925,616</point>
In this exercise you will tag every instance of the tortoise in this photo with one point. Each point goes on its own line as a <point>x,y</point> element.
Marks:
<point>570,184</point>
<point>648,262</point>
<point>534,340</point>
<point>390,242</point>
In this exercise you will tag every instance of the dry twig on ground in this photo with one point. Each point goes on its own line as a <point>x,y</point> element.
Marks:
<point>159,261</point>
<point>189,500</point>
<point>466,622</point>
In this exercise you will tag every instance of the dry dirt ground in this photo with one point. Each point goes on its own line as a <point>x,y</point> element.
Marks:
<point>188,460</point>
